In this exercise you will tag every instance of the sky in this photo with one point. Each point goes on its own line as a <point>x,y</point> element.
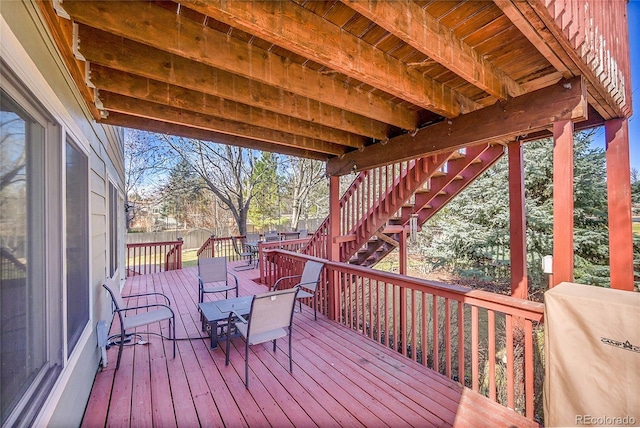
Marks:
<point>634,123</point>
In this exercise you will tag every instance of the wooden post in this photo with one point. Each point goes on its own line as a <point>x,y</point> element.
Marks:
<point>402,253</point>
<point>517,222</point>
<point>402,256</point>
<point>619,203</point>
<point>333,248</point>
<point>562,201</point>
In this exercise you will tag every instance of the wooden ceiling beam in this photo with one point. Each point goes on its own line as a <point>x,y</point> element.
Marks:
<point>189,100</point>
<point>152,25</point>
<point>414,25</point>
<point>150,125</point>
<point>297,29</point>
<point>134,107</point>
<point>125,55</point>
<point>508,120</point>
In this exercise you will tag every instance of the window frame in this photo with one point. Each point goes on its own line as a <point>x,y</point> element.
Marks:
<point>78,333</point>
<point>35,394</point>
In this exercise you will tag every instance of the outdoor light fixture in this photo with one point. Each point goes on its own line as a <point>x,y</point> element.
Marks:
<point>413,228</point>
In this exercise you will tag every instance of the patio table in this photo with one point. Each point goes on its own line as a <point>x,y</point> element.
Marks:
<point>214,313</point>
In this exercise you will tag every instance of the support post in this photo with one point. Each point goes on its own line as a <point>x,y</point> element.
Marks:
<point>562,201</point>
<point>517,222</point>
<point>402,253</point>
<point>619,204</point>
<point>333,248</point>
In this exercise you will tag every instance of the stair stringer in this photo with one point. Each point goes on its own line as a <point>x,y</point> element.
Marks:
<point>442,189</point>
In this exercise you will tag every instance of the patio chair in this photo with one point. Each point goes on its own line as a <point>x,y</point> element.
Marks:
<point>308,284</point>
<point>290,235</point>
<point>243,251</point>
<point>270,319</point>
<point>213,277</point>
<point>272,236</point>
<point>155,312</point>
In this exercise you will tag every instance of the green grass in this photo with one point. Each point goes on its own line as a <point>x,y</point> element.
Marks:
<point>189,258</point>
<point>636,228</point>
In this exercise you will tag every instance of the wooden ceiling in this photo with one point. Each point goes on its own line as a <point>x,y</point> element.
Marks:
<point>355,83</point>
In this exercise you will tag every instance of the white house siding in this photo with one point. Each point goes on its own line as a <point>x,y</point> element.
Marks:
<point>33,58</point>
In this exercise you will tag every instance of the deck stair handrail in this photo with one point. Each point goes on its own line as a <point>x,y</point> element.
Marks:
<point>389,189</point>
<point>489,342</point>
<point>461,171</point>
<point>382,200</point>
<point>371,199</point>
<point>153,257</point>
<point>317,244</point>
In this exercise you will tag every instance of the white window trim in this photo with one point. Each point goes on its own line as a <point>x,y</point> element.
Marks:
<point>19,62</point>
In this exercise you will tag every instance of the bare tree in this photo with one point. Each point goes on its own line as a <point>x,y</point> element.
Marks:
<point>227,171</point>
<point>304,175</point>
<point>142,159</point>
<point>13,151</point>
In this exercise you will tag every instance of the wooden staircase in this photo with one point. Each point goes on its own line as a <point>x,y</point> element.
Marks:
<point>381,203</point>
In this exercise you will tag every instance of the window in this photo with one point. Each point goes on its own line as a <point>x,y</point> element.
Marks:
<point>113,229</point>
<point>77,228</point>
<point>30,320</point>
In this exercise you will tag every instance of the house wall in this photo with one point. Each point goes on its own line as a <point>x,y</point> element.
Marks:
<point>31,55</point>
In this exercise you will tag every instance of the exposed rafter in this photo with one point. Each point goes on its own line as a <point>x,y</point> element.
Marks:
<point>122,54</point>
<point>295,28</point>
<point>187,99</point>
<point>408,21</point>
<point>357,82</point>
<point>161,29</point>
<point>127,121</point>
<point>134,107</point>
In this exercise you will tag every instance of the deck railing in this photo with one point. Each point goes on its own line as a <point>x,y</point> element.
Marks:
<point>295,245</point>
<point>490,343</point>
<point>373,197</point>
<point>221,247</point>
<point>153,257</point>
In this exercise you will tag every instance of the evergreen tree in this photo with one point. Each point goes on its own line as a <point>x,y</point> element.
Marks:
<point>183,192</point>
<point>265,209</point>
<point>471,234</point>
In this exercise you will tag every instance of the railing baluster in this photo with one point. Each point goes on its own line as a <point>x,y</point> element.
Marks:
<point>510,365</point>
<point>474,347</point>
<point>447,335</point>
<point>491,330</point>
<point>425,332</point>
<point>461,359</point>
<point>378,317</point>
<point>528,369</point>
<point>436,335</point>
<point>414,332</point>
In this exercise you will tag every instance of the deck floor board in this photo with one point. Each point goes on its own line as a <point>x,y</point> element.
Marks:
<point>340,377</point>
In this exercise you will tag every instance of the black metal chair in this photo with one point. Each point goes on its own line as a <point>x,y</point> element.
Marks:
<point>244,252</point>
<point>155,312</point>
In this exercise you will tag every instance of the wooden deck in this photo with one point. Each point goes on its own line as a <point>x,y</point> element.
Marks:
<point>340,378</point>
